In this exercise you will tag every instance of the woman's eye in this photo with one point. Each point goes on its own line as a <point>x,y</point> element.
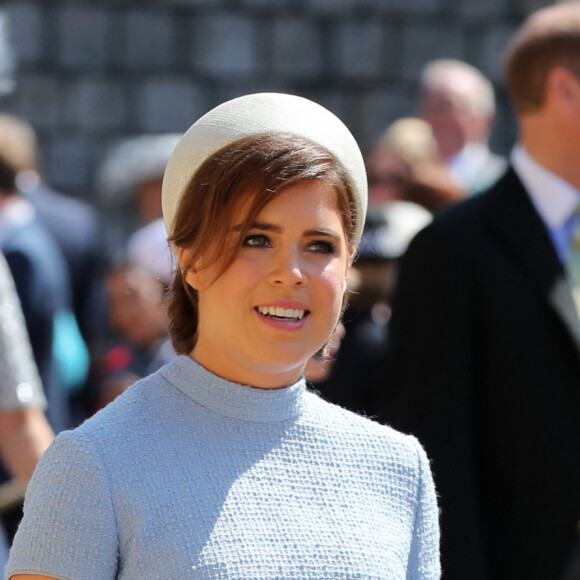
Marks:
<point>322,247</point>
<point>256,241</point>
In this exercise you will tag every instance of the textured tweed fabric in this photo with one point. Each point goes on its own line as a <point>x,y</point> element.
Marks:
<point>187,475</point>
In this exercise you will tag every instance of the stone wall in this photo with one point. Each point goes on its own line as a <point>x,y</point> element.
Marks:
<point>90,73</point>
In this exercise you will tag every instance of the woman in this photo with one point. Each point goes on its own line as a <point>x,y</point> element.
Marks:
<point>221,464</point>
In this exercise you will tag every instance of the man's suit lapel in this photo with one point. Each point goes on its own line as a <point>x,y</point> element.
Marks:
<point>515,220</point>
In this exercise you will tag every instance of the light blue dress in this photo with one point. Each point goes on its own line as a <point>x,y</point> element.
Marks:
<point>187,475</point>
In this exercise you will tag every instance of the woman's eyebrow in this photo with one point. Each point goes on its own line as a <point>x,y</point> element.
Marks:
<point>322,232</point>
<point>266,227</point>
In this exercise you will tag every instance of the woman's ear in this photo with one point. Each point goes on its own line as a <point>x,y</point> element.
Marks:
<point>351,257</point>
<point>187,267</point>
<point>351,254</point>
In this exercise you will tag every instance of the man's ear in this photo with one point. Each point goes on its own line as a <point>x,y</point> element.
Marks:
<point>564,86</point>
<point>188,269</point>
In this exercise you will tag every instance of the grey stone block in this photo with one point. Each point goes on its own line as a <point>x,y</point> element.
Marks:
<point>169,105</point>
<point>414,7</point>
<point>409,8</point>
<point>68,162</point>
<point>333,7</point>
<point>193,3</point>
<point>82,33</point>
<point>39,98</point>
<point>524,8</point>
<point>95,105</point>
<point>26,32</point>
<point>225,45</point>
<point>231,89</point>
<point>150,38</point>
<point>478,11</point>
<point>297,47</point>
<point>489,53</point>
<point>361,50</point>
<point>376,110</point>
<point>270,5</point>
<point>336,101</point>
<point>423,43</point>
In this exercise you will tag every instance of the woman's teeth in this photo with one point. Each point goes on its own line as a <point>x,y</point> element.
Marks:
<point>278,312</point>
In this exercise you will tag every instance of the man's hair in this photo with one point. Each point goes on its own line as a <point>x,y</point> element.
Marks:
<point>17,148</point>
<point>18,144</point>
<point>549,38</point>
<point>252,171</point>
<point>450,74</point>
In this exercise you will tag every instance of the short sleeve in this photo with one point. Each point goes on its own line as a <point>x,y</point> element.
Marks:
<point>68,530</point>
<point>424,559</point>
<point>19,381</point>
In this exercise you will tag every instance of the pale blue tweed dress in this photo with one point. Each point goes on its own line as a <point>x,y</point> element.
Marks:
<point>187,475</point>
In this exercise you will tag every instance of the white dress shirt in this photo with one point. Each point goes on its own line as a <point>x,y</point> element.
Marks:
<point>555,200</point>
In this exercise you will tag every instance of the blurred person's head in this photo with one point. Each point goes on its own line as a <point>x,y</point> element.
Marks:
<point>387,233</point>
<point>132,172</point>
<point>19,145</point>
<point>136,305</point>
<point>148,248</point>
<point>12,150</point>
<point>405,165</point>
<point>548,41</point>
<point>390,163</point>
<point>388,174</point>
<point>542,70</point>
<point>458,101</point>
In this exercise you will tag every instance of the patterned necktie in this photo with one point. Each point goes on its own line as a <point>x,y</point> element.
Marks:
<point>573,266</point>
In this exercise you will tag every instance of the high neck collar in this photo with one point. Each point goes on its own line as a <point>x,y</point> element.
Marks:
<point>233,400</point>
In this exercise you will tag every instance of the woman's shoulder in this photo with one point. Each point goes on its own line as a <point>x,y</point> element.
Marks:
<point>377,438</point>
<point>138,405</point>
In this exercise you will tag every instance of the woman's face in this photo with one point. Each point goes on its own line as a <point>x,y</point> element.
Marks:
<point>278,302</point>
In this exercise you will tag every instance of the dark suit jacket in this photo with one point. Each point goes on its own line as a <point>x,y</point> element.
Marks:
<point>484,367</point>
<point>42,283</point>
<point>75,226</point>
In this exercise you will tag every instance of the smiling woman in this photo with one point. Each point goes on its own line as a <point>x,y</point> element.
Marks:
<point>222,464</point>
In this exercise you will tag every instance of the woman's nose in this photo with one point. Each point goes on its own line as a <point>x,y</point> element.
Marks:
<point>287,268</point>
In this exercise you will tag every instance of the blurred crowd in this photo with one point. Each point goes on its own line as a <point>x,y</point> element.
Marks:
<point>91,285</point>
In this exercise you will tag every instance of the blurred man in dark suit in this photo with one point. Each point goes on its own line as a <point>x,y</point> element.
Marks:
<point>484,359</point>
